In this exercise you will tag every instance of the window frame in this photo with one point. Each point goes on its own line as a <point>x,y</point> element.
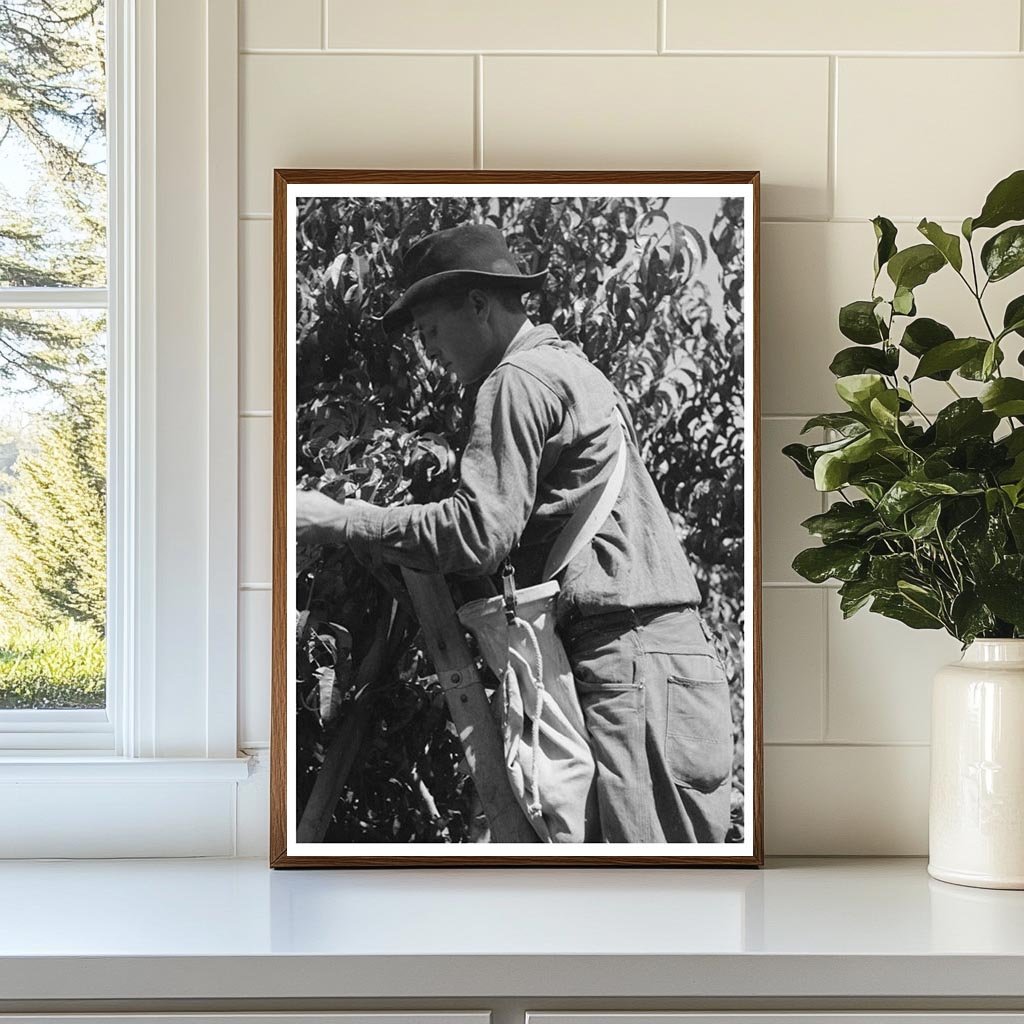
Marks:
<point>172,469</point>
<point>60,730</point>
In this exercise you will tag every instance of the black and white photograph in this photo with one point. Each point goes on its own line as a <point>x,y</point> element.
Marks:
<point>515,553</point>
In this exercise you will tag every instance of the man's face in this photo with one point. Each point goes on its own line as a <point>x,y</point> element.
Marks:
<point>456,338</point>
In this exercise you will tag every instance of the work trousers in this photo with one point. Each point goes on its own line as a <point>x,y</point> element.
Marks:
<point>656,704</point>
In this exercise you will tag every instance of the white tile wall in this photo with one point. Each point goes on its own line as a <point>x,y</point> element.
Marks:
<point>876,25</point>
<point>254,504</point>
<point>471,25</point>
<point>879,677</point>
<point>908,110</point>
<point>271,23</point>
<point>332,110</point>
<point>961,129</point>
<point>255,324</point>
<point>794,664</point>
<point>254,667</point>
<point>695,113</point>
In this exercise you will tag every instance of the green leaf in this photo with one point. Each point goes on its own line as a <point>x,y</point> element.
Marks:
<point>925,518</point>
<point>849,361</point>
<point>924,334</point>
<point>903,302</point>
<point>949,355</point>
<point>857,321</point>
<point>966,417</point>
<point>858,389</point>
<point>843,521</point>
<point>965,229</point>
<point>1004,397</point>
<point>974,368</point>
<point>1013,317</point>
<point>887,570</point>
<point>841,421</point>
<point>899,608</point>
<point>991,360</point>
<point>1004,594</point>
<point>866,445</point>
<point>1005,202</point>
<point>970,617</point>
<point>1003,254</point>
<point>840,561</point>
<point>885,236</point>
<point>854,594</point>
<point>913,266</point>
<point>885,409</point>
<point>831,471</point>
<point>799,455</point>
<point>947,244</point>
<point>906,494</point>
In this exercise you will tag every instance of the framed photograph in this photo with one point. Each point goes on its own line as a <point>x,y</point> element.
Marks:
<point>516,558</point>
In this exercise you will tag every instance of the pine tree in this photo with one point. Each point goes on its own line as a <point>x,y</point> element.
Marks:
<point>52,121</point>
<point>53,520</point>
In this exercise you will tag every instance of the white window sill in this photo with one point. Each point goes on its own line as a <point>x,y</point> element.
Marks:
<point>88,806</point>
<point>81,767</point>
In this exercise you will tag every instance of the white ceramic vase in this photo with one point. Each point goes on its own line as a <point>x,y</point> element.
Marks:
<point>976,814</point>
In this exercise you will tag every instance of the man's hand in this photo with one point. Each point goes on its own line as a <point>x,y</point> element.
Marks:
<point>318,519</point>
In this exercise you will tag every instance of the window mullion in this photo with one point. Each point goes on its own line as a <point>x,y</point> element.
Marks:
<point>53,298</point>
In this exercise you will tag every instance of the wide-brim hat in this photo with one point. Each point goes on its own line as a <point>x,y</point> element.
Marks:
<point>467,254</point>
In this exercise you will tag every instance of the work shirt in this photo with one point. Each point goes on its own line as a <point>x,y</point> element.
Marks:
<point>543,434</point>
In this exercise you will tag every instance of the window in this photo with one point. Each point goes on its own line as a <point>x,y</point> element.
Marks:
<point>152,768</point>
<point>53,371</point>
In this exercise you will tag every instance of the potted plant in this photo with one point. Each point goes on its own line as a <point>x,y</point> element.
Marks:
<point>926,523</point>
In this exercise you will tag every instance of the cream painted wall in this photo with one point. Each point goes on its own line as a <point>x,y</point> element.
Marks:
<point>906,109</point>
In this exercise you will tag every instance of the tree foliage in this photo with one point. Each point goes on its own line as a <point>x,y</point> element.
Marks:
<point>378,423</point>
<point>52,125</point>
<point>53,520</point>
<point>52,235</point>
<point>928,525</point>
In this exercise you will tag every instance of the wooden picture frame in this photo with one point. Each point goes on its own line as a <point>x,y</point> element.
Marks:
<point>290,844</point>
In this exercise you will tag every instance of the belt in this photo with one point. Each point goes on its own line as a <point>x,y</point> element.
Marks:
<point>621,618</point>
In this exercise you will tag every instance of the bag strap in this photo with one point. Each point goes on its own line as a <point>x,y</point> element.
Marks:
<point>590,514</point>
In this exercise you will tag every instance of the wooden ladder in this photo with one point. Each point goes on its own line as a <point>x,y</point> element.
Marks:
<point>468,708</point>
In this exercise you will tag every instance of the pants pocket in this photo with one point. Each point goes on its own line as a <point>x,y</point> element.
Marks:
<point>698,741</point>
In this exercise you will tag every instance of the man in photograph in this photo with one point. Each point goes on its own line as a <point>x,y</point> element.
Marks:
<point>544,435</point>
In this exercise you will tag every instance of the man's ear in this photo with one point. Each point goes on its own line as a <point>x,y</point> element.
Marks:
<point>480,303</point>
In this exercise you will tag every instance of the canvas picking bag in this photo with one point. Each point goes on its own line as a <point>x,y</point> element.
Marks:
<point>548,758</point>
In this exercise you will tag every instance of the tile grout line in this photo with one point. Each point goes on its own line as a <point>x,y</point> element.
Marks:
<point>369,51</point>
<point>478,111</point>
<point>826,723</point>
<point>824,714</point>
<point>323,24</point>
<point>663,25</point>
<point>831,170</point>
<point>844,744</point>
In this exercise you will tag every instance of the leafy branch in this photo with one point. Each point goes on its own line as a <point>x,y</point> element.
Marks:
<point>936,537</point>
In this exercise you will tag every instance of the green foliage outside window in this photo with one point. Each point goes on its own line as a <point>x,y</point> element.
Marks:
<point>52,365</point>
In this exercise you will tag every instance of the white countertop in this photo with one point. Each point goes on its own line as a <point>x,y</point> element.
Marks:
<point>233,928</point>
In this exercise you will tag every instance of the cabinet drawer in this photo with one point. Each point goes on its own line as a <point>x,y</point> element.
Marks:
<point>354,1017</point>
<point>788,1017</point>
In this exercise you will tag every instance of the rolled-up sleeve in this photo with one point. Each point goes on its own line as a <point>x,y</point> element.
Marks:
<point>516,421</point>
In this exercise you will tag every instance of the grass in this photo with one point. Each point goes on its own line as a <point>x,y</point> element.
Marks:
<point>63,666</point>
